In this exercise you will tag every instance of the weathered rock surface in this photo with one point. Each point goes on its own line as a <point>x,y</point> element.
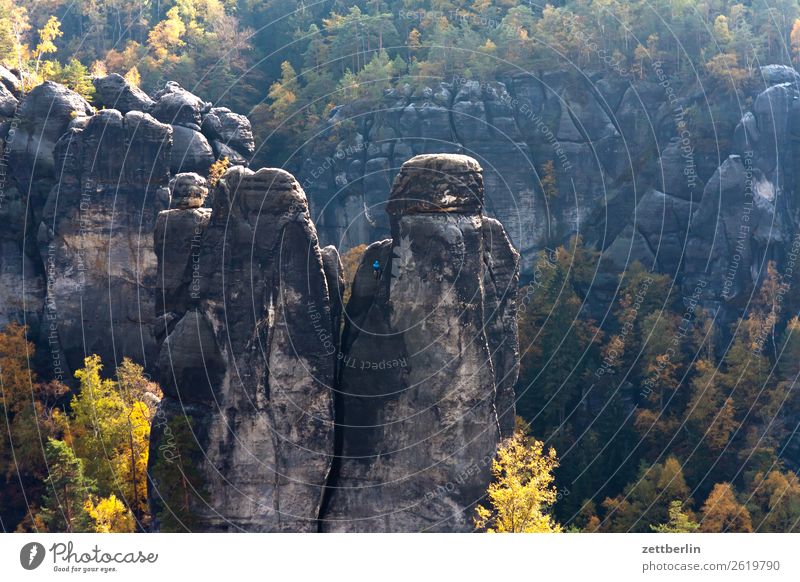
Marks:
<point>114,92</point>
<point>26,177</point>
<point>80,194</point>
<point>429,356</point>
<point>598,141</point>
<point>230,134</point>
<point>249,354</point>
<point>191,151</point>
<point>95,237</point>
<point>177,106</point>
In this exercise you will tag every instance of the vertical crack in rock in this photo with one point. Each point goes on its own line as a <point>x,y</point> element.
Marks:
<point>424,364</point>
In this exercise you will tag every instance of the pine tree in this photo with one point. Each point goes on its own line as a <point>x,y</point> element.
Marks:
<point>67,490</point>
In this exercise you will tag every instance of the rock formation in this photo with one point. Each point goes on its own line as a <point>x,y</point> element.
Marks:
<point>250,309</point>
<point>429,358</point>
<point>562,155</point>
<point>94,236</point>
<point>249,327</point>
<point>80,192</point>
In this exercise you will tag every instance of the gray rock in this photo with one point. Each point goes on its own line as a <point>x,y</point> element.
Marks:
<point>777,74</point>
<point>262,410</point>
<point>191,151</point>
<point>418,386</point>
<point>114,92</point>
<point>189,190</point>
<point>11,82</point>
<point>8,102</point>
<point>232,129</point>
<point>96,238</point>
<point>44,115</point>
<point>177,106</point>
<point>222,151</point>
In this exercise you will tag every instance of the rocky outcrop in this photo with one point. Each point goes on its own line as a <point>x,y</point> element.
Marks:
<point>27,165</point>
<point>429,357</point>
<point>95,240</point>
<point>749,213</point>
<point>562,153</point>
<point>80,193</point>
<point>250,311</point>
<point>114,92</point>
<point>248,324</point>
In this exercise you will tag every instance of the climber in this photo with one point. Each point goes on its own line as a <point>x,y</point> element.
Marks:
<point>376,269</point>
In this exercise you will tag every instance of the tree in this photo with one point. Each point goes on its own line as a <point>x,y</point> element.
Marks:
<point>64,503</point>
<point>350,262</point>
<point>47,36</point>
<point>30,416</point>
<point>110,515</point>
<point>166,37</point>
<point>522,492</point>
<point>110,429</point>
<point>217,170</point>
<point>794,40</point>
<point>178,483</point>
<point>775,502</point>
<point>723,513</point>
<point>679,521</point>
<point>647,501</point>
<point>283,93</point>
<point>14,24</point>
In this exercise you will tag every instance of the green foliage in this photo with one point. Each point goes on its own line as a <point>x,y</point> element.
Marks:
<point>177,481</point>
<point>95,456</point>
<point>679,521</point>
<point>67,490</point>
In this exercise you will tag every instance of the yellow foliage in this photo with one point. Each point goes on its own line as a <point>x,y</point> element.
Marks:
<point>522,490</point>
<point>794,39</point>
<point>110,515</point>
<point>548,180</point>
<point>216,171</point>
<point>111,428</point>
<point>133,77</point>
<point>350,261</point>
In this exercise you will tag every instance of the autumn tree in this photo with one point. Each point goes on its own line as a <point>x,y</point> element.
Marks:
<point>775,502</point>
<point>680,521</point>
<point>47,36</point>
<point>110,515</point>
<point>723,513</point>
<point>110,429</point>
<point>647,500</point>
<point>522,491</point>
<point>30,415</point>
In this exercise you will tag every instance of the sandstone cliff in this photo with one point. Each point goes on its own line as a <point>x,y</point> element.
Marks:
<point>250,310</point>
<point>81,191</point>
<point>248,352</point>
<point>429,358</point>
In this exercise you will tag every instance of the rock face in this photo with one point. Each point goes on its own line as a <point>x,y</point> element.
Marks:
<point>419,388</point>
<point>249,354</point>
<point>79,195</point>
<point>95,239</point>
<point>749,214</point>
<point>28,162</point>
<point>562,155</point>
<point>114,92</point>
<point>249,310</point>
